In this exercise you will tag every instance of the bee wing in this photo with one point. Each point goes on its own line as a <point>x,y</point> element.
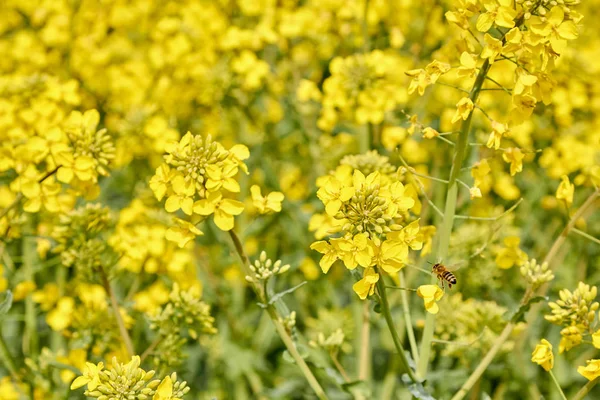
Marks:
<point>456,266</point>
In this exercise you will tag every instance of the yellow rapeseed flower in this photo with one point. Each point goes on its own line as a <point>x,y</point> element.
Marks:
<point>430,294</point>
<point>543,356</point>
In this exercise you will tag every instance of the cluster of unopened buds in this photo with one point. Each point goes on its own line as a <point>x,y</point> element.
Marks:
<point>264,268</point>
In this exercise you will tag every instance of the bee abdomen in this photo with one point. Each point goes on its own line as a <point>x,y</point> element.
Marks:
<point>449,276</point>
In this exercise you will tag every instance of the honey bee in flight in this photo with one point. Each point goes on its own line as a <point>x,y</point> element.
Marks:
<point>444,275</point>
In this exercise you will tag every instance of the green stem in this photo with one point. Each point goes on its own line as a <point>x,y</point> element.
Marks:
<point>408,321</point>
<point>585,235</point>
<point>365,347</point>
<point>8,360</point>
<point>558,242</point>
<point>31,344</point>
<point>283,334</point>
<point>115,307</point>
<point>365,28</point>
<point>586,389</point>
<point>562,394</point>
<point>449,213</point>
<point>385,310</point>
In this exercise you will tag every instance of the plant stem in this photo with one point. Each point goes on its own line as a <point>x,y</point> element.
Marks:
<point>151,348</point>
<point>31,343</point>
<point>365,28</point>
<point>585,235</point>
<point>385,310</point>
<point>449,212</point>
<point>283,334</point>
<point>365,334</point>
<point>562,394</point>
<point>8,360</point>
<point>558,242</point>
<point>586,389</point>
<point>408,321</point>
<point>115,307</point>
<point>339,367</point>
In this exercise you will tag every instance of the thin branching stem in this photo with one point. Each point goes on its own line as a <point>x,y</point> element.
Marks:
<point>585,235</point>
<point>283,334</point>
<point>560,240</point>
<point>586,389</point>
<point>560,391</point>
<point>407,318</point>
<point>385,310</point>
<point>421,187</point>
<point>117,312</point>
<point>505,213</point>
<point>449,212</point>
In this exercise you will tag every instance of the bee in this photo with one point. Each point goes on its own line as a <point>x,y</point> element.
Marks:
<point>444,275</point>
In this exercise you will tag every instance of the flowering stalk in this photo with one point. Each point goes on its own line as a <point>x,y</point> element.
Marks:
<point>31,344</point>
<point>449,212</point>
<point>117,312</point>
<point>485,362</point>
<point>385,310</point>
<point>586,389</point>
<point>283,334</point>
<point>562,394</point>
<point>407,320</point>
<point>7,359</point>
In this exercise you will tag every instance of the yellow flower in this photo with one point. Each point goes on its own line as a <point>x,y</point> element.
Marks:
<point>90,377</point>
<point>62,315</point>
<point>565,190</point>
<point>430,294</point>
<point>366,286</point>
<point>514,156</point>
<point>356,251</point>
<point>398,200</point>
<point>330,253</point>
<point>511,254</point>
<point>555,28</point>
<point>159,183</point>
<point>591,371</point>
<point>468,65</point>
<point>23,289</point>
<point>596,339</point>
<point>499,12</point>
<point>265,205</point>
<point>430,133</point>
<point>498,131</point>
<point>182,196</point>
<point>542,355</point>
<point>393,136</point>
<point>223,209</point>
<point>164,391</point>
<point>463,109</point>
<point>333,193</point>
<point>391,255</point>
<point>570,337</point>
<point>182,234</point>
<point>492,48</point>
<point>308,90</point>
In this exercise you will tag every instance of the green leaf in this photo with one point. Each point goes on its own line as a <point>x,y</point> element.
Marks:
<point>302,351</point>
<point>519,315</point>
<point>277,296</point>
<point>416,389</point>
<point>6,303</point>
<point>357,389</point>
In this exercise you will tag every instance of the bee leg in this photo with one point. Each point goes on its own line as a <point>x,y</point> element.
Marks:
<point>449,285</point>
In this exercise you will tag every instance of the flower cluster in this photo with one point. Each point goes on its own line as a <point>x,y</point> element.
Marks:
<point>128,381</point>
<point>361,89</point>
<point>195,178</point>
<point>371,214</point>
<point>264,268</point>
<point>576,311</point>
